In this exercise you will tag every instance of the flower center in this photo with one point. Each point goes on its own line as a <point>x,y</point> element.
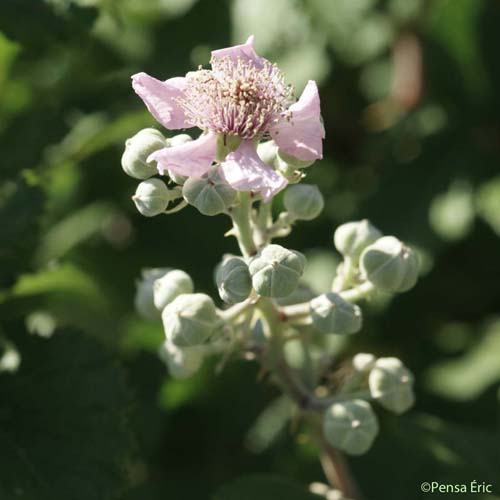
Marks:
<point>236,97</point>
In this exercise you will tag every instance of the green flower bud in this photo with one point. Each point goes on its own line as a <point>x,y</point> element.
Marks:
<point>351,426</point>
<point>137,150</point>
<point>178,179</point>
<point>190,319</point>
<point>169,286</point>
<point>390,265</point>
<point>151,197</point>
<point>391,384</point>
<point>363,362</point>
<point>330,313</point>
<point>276,271</point>
<point>209,194</point>
<point>182,362</point>
<point>178,140</point>
<point>352,238</point>
<point>267,152</point>
<point>303,201</point>
<point>285,161</point>
<point>233,280</point>
<point>144,294</point>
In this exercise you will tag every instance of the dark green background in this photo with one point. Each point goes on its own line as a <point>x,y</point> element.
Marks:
<point>91,413</point>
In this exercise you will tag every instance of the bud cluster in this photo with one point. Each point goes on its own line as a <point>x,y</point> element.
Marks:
<point>265,311</point>
<point>351,425</point>
<point>256,141</point>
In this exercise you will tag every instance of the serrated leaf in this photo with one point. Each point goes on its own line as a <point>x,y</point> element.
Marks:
<point>263,488</point>
<point>62,422</point>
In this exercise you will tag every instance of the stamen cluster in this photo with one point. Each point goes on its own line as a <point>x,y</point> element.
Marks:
<point>236,97</point>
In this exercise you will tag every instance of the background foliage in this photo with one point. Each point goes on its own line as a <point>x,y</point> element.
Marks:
<point>410,100</point>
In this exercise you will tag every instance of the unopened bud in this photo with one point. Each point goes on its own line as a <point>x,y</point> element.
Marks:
<point>178,140</point>
<point>303,201</point>
<point>182,362</point>
<point>330,313</point>
<point>276,271</point>
<point>190,319</point>
<point>233,280</point>
<point>267,152</point>
<point>285,161</point>
<point>209,194</point>
<point>391,384</point>
<point>144,295</point>
<point>363,362</point>
<point>390,265</point>
<point>353,237</point>
<point>351,426</point>
<point>137,150</point>
<point>151,197</point>
<point>169,286</point>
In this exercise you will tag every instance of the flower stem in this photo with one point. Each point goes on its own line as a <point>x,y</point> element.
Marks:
<point>234,311</point>
<point>336,469</point>
<point>300,312</point>
<point>240,215</point>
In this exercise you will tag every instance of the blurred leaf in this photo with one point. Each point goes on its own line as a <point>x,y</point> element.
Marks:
<point>142,335</point>
<point>488,203</point>
<point>72,297</point>
<point>452,213</point>
<point>20,207</point>
<point>269,424</point>
<point>320,269</point>
<point>62,237</point>
<point>456,25</point>
<point>282,28</point>
<point>41,23</point>
<point>63,422</point>
<point>421,447</point>
<point>263,488</point>
<point>94,132</point>
<point>357,31</point>
<point>468,376</point>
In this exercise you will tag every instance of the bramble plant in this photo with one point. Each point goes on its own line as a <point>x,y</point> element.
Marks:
<point>255,142</point>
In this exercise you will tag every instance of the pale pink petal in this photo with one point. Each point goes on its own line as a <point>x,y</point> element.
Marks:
<point>300,132</point>
<point>245,171</point>
<point>191,159</point>
<point>161,99</point>
<point>245,52</point>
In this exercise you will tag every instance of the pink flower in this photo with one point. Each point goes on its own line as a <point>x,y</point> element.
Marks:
<point>243,95</point>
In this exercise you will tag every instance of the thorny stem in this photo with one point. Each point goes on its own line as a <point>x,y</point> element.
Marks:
<point>242,227</point>
<point>341,282</point>
<point>263,221</point>
<point>297,312</point>
<point>177,208</point>
<point>282,226</point>
<point>335,467</point>
<point>238,309</point>
<point>275,318</point>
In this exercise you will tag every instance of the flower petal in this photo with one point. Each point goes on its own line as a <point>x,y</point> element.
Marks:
<point>300,132</point>
<point>245,52</point>
<point>245,171</point>
<point>161,99</point>
<point>191,159</point>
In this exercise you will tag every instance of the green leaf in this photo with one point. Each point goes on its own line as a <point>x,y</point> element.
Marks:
<point>20,206</point>
<point>263,488</point>
<point>467,377</point>
<point>63,431</point>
